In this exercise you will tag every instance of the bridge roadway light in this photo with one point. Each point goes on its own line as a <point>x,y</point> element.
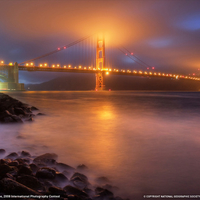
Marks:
<point>58,65</point>
<point>2,62</point>
<point>107,73</point>
<point>85,67</point>
<point>10,63</point>
<point>27,64</point>
<point>40,65</point>
<point>31,64</point>
<point>79,67</point>
<point>53,66</point>
<point>69,66</point>
<point>45,64</point>
<point>65,66</point>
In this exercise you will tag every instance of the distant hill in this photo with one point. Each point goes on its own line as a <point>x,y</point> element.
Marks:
<point>87,82</point>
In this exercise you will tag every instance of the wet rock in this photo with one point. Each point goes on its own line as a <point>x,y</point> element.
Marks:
<point>104,193</point>
<point>34,167</point>
<point>89,192</point>
<point>24,170</point>
<point>21,161</point>
<point>66,173</point>
<point>82,167</point>
<point>13,163</point>
<point>46,173</point>
<point>10,186</point>
<point>98,190</point>
<point>70,190</point>
<point>12,110</point>
<point>31,182</point>
<point>80,176</point>
<point>2,151</point>
<point>19,111</point>
<point>5,161</point>
<point>4,168</point>
<point>62,166</point>
<point>56,190</point>
<point>30,119</point>
<point>61,177</point>
<point>13,155</point>
<point>47,158</point>
<point>9,176</point>
<point>40,114</point>
<point>25,154</point>
<point>34,108</point>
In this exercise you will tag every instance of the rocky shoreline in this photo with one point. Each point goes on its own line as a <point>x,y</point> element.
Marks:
<point>24,176</point>
<point>14,111</point>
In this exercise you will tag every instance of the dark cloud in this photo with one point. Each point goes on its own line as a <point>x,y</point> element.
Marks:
<point>163,33</point>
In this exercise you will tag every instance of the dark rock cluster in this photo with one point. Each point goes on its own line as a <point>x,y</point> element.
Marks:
<point>23,174</point>
<point>12,110</point>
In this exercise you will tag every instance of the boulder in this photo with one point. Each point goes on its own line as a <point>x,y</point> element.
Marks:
<point>24,170</point>
<point>9,186</point>
<point>62,166</point>
<point>70,190</point>
<point>34,167</point>
<point>82,167</point>
<point>4,168</point>
<point>30,181</point>
<point>46,173</point>
<point>2,151</point>
<point>56,190</point>
<point>12,155</point>
<point>47,158</point>
<point>25,154</point>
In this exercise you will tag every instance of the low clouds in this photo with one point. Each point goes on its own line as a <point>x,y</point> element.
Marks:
<point>163,33</point>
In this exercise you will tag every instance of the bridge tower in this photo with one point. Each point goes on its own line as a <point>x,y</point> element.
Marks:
<point>100,62</point>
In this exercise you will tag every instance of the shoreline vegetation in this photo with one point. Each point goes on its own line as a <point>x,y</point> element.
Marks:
<point>24,176</point>
<point>14,111</point>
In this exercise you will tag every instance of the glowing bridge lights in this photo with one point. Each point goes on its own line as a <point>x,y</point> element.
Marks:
<point>64,47</point>
<point>69,66</point>
<point>79,67</point>
<point>65,66</point>
<point>53,66</point>
<point>58,65</point>
<point>41,65</point>
<point>31,64</point>
<point>107,73</point>
<point>58,49</point>
<point>10,63</point>
<point>131,53</point>
<point>85,67</point>
<point>2,62</point>
<point>27,64</point>
<point>140,72</point>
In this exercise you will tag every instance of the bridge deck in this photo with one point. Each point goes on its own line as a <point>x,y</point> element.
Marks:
<point>113,72</point>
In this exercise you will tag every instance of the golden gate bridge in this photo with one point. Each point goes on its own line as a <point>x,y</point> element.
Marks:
<point>86,55</point>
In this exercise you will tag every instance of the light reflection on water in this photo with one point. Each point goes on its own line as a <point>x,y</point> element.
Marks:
<point>146,143</point>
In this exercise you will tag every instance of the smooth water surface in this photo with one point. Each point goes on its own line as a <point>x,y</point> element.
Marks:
<point>144,142</point>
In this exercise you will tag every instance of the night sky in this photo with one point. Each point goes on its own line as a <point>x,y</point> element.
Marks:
<point>163,33</point>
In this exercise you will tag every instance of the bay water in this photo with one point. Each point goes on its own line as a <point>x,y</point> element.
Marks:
<point>146,143</point>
